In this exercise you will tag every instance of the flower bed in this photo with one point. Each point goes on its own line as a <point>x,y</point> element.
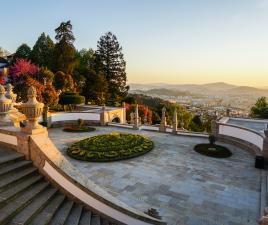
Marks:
<point>216,151</point>
<point>110,147</point>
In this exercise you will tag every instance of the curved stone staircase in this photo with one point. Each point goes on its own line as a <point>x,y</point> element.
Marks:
<point>27,198</point>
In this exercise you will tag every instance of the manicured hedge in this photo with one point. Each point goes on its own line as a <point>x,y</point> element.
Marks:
<point>216,151</point>
<point>71,98</point>
<point>110,147</point>
<point>78,129</point>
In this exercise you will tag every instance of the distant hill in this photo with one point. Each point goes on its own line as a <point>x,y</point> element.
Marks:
<point>216,89</point>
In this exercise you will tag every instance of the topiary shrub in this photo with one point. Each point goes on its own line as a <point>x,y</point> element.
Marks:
<point>110,147</point>
<point>71,98</point>
<point>80,127</point>
<point>212,139</point>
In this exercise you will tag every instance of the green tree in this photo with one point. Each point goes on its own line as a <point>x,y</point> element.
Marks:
<point>111,59</point>
<point>42,53</point>
<point>260,109</point>
<point>22,52</point>
<point>64,52</point>
<point>95,88</point>
<point>63,82</point>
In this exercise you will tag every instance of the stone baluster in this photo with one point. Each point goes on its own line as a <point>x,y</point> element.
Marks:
<point>5,106</point>
<point>175,122</point>
<point>163,124</point>
<point>33,111</point>
<point>136,117</point>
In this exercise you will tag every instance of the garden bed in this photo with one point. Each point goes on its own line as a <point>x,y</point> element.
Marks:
<point>214,150</point>
<point>110,147</point>
<point>78,129</point>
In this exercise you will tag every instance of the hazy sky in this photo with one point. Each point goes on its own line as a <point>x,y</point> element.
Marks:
<point>172,41</point>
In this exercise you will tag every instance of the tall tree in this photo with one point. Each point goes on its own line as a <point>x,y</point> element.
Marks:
<point>22,52</point>
<point>42,52</point>
<point>260,109</point>
<point>64,53</point>
<point>109,54</point>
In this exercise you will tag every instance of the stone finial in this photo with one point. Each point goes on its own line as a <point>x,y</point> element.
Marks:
<point>5,106</point>
<point>175,121</point>
<point>263,220</point>
<point>32,110</point>
<point>163,123</point>
<point>136,117</point>
<point>123,104</point>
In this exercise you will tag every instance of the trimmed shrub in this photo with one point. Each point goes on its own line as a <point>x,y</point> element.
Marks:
<point>71,98</point>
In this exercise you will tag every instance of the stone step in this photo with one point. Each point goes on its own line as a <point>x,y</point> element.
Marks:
<point>85,217</point>
<point>21,201</point>
<point>37,204</point>
<point>10,158</point>
<point>15,167</point>
<point>74,216</point>
<point>11,193</point>
<point>7,180</point>
<point>44,217</point>
<point>95,220</point>
<point>62,214</point>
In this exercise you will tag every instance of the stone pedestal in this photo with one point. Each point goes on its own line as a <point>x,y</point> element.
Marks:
<point>103,116</point>
<point>263,220</point>
<point>5,106</point>
<point>136,118</point>
<point>214,127</point>
<point>32,110</point>
<point>175,122</point>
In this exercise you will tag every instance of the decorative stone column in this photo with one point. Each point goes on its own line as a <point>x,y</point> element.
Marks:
<point>5,106</point>
<point>32,110</point>
<point>103,116</point>
<point>175,122</point>
<point>136,118</point>
<point>163,124</point>
<point>11,95</point>
<point>214,126</point>
<point>132,115</point>
<point>124,113</point>
<point>265,145</point>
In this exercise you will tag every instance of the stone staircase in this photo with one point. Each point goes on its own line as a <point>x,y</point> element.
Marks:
<point>27,198</point>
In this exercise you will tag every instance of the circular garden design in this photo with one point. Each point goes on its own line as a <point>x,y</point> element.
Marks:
<point>110,147</point>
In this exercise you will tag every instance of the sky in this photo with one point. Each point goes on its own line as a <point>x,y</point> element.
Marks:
<point>163,41</point>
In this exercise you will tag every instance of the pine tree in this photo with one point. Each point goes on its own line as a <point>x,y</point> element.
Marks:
<point>109,54</point>
<point>65,52</point>
<point>42,52</point>
<point>23,52</point>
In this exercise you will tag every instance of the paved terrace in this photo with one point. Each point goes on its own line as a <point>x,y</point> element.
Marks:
<point>186,188</point>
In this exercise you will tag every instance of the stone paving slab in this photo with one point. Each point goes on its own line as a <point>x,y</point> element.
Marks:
<point>186,187</point>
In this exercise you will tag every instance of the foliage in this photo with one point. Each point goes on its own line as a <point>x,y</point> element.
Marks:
<point>216,151</point>
<point>22,52</point>
<point>49,95</point>
<point>64,51</point>
<point>45,75</point>
<point>196,124</point>
<point>144,112</point>
<point>63,82</point>
<point>110,56</point>
<point>71,98</point>
<point>75,129</point>
<point>42,53</point>
<point>110,147</point>
<point>23,75</point>
<point>260,109</point>
<point>95,88</point>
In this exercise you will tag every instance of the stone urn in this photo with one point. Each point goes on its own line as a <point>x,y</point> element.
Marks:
<point>11,95</point>
<point>32,110</point>
<point>5,105</point>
